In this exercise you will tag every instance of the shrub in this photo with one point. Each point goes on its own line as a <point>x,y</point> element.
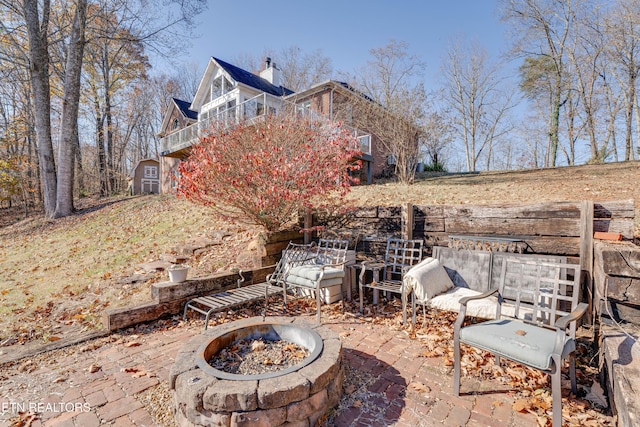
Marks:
<point>265,173</point>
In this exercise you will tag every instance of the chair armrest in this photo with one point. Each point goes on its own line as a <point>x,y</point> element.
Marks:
<point>577,313</point>
<point>462,314</point>
<point>336,265</point>
<point>463,301</point>
<point>367,263</point>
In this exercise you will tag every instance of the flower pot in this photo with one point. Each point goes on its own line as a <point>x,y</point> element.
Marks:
<point>178,275</point>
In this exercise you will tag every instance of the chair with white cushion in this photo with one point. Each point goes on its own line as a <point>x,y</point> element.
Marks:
<point>323,270</point>
<point>540,330</point>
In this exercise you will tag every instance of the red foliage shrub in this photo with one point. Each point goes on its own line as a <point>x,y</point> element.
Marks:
<point>266,172</point>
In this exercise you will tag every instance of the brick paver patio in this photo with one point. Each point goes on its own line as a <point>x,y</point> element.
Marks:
<point>106,381</point>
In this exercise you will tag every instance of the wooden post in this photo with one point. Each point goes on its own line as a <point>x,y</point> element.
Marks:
<point>586,254</point>
<point>308,223</point>
<point>407,221</point>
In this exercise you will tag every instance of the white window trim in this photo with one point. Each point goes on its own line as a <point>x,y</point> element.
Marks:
<point>368,145</point>
<point>150,172</point>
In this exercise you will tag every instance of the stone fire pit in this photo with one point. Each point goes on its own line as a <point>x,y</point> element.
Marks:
<point>301,394</point>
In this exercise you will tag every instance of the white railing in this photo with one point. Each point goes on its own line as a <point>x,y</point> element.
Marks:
<point>248,110</point>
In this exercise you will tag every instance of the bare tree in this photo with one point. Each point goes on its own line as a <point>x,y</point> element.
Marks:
<point>70,106</point>
<point>394,104</point>
<point>541,29</point>
<point>585,51</point>
<point>622,32</point>
<point>475,92</point>
<point>28,27</point>
<point>300,70</point>
<point>438,136</point>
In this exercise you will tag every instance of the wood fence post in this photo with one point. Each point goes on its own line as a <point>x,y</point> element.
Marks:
<point>586,254</point>
<point>308,223</point>
<point>407,221</point>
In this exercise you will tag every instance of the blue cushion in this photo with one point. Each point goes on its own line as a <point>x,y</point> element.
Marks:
<point>518,341</point>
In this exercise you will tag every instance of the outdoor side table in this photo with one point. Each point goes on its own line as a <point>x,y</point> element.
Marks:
<point>375,268</point>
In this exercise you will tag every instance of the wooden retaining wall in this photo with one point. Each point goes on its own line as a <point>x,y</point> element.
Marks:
<point>559,228</point>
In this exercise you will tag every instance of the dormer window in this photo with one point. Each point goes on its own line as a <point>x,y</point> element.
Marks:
<point>220,86</point>
<point>175,125</point>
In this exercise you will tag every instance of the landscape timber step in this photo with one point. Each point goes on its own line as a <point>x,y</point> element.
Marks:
<point>227,299</point>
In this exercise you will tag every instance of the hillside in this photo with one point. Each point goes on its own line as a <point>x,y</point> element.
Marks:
<point>57,277</point>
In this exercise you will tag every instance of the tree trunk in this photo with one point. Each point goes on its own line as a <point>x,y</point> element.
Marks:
<point>554,137</point>
<point>37,33</point>
<point>69,121</point>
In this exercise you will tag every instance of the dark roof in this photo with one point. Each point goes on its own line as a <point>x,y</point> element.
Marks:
<point>250,79</point>
<point>354,90</point>
<point>184,108</point>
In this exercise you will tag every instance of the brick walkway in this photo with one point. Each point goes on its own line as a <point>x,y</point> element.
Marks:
<point>108,381</point>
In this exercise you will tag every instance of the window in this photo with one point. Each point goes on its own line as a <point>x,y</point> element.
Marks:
<point>175,177</point>
<point>364,143</point>
<point>151,172</point>
<point>176,124</point>
<point>216,88</point>
<point>228,86</point>
<point>303,108</point>
<point>231,110</point>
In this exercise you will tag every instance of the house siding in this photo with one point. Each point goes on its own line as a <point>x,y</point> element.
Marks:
<point>168,170</point>
<point>175,114</point>
<point>321,103</point>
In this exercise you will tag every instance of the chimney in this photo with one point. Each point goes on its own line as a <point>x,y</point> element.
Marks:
<point>271,73</point>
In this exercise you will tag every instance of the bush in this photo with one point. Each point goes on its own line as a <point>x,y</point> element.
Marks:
<point>266,173</point>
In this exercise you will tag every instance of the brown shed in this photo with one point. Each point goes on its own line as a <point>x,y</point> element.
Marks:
<point>145,177</point>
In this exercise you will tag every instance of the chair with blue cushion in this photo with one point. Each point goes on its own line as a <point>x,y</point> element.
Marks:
<point>535,322</point>
<point>323,270</point>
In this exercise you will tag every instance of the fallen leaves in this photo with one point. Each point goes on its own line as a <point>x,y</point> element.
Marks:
<point>137,372</point>
<point>27,366</point>
<point>419,387</point>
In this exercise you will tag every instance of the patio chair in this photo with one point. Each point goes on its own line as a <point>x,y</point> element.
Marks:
<point>294,254</point>
<point>320,271</point>
<point>535,322</point>
<point>400,256</point>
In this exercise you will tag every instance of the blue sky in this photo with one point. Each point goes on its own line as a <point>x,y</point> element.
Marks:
<point>346,30</point>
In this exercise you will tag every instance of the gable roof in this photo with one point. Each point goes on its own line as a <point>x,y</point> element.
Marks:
<point>250,79</point>
<point>183,106</point>
<point>132,174</point>
<point>329,84</point>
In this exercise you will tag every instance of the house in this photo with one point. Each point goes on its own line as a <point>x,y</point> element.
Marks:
<point>227,94</point>
<point>338,101</point>
<point>145,177</point>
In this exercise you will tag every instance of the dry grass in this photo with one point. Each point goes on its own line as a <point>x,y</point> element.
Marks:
<point>57,277</point>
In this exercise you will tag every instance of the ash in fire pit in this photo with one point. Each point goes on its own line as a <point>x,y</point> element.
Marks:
<point>251,357</point>
<point>298,393</point>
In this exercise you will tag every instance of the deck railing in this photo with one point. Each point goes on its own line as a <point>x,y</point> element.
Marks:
<point>248,111</point>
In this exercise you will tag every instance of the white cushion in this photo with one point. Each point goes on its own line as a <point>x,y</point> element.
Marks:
<point>307,276</point>
<point>427,279</point>
<point>312,272</point>
<point>484,308</point>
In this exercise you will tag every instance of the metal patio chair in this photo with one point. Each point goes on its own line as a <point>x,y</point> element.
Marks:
<point>325,268</point>
<point>535,322</point>
<point>400,256</point>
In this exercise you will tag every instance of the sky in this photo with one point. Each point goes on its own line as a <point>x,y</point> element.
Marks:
<point>344,31</point>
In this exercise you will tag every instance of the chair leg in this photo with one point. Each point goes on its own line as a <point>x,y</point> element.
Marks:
<point>361,303</point>
<point>556,392</point>
<point>318,303</point>
<point>456,365</point>
<point>572,374</point>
